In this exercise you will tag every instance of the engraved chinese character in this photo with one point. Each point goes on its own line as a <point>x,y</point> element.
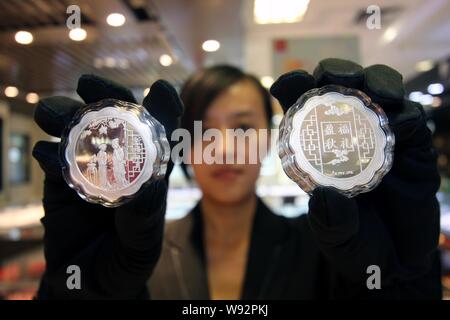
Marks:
<point>330,144</point>
<point>329,130</point>
<point>346,144</point>
<point>344,129</point>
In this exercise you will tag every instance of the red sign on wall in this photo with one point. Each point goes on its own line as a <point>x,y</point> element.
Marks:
<point>280,45</point>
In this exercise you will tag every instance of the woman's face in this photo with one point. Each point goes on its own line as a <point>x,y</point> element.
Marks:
<point>241,106</point>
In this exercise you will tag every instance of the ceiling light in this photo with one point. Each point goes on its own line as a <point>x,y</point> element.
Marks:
<point>415,96</point>
<point>24,37</point>
<point>390,34</point>
<point>32,98</point>
<point>165,60</point>
<point>267,81</point>
<point>77,34</point>
<point>11,92</point>
<point>110,62</point>
<point>116,19</point>
<point>426,99</point>
<point>435,88</point>
<point>280,11</point>
<point>424,65</point>
<point>98,63</point>
<point>211,45</point>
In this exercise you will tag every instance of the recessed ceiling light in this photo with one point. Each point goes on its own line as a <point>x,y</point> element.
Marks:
<point>211,45</point>
<point>77,34</point>
<point>390,34</point>
<point>24,37</point>
<point>280,11</point>
<point>267,81</point>
<point>11,92</point>
<point>424,65</point>
<point>116,19</point>
<point>165,60</point>
<point>110,62</point>
<point>32,97</point>
<point>98,63</point>
<point>435,88</point>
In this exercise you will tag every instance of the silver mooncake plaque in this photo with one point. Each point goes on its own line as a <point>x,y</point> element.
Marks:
<point>111,150</point>
<point>336,137</point>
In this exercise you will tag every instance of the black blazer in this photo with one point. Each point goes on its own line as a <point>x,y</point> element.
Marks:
<point>284,262</point>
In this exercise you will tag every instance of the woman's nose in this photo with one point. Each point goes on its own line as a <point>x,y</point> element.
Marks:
<point>226,146</point>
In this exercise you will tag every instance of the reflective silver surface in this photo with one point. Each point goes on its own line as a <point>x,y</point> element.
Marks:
<point>336,137</point>
<point>111,149</point>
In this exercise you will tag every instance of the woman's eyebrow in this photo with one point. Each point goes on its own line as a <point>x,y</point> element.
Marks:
<point>241,114</point>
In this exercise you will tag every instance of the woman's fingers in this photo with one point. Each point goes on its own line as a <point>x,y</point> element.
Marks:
<point>409,125</point>
<point>54,113</point>
<point>290,86</point>
<point>385,87</point>
<point>340,72</point>
<point>92,88</point>
<point>46,153</point>
<point>57,193</point>
<point>164,104</point>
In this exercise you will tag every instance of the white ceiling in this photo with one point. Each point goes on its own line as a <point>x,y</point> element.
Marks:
<point>423,29</point>
<point>194,21</point>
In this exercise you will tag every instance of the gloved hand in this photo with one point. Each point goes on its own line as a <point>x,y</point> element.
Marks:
<point>396,225</point>
<point>115,248</point>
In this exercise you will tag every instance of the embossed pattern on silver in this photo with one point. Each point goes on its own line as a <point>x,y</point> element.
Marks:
<point>336,137</point>
<point>111,150</point>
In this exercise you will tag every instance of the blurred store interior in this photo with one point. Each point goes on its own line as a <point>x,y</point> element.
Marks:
<point>136,42</point>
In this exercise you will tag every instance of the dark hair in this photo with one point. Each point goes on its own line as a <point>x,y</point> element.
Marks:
<point>203,87</point>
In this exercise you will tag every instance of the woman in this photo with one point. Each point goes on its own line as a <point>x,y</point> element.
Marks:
<point>223,98</point>
<point>231,246</point>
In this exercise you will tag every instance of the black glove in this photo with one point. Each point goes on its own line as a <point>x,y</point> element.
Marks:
<point>395,226</point>
<point>115,248</point>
